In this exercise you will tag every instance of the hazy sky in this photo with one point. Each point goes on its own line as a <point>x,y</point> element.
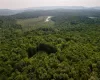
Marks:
<point>17,4</point>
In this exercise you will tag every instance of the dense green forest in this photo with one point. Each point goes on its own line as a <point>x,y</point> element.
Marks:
<point>65,48</point>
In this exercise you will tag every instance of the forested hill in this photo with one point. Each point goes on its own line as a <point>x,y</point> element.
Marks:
<point>4,12</point>
<point>67,47</point>
<point>68,12</point>
<point>7,12</point>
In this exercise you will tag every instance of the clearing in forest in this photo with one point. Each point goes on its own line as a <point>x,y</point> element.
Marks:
<point>34,23</point>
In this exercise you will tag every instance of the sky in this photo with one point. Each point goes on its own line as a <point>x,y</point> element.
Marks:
<point>19,4</point>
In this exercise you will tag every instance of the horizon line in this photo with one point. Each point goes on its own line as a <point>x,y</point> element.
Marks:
<point>47,6</point>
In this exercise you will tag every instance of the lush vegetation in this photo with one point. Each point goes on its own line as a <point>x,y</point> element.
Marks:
<point>67,49</point>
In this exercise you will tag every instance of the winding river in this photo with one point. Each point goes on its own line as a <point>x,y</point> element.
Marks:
<point>48,19</point>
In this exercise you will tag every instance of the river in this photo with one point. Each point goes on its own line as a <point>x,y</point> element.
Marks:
<point>48,19</point>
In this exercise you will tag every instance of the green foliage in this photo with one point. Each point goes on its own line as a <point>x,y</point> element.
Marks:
<point>69,49</point>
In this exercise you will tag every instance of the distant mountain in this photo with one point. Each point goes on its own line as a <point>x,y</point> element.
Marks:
<point>6,12</point>
<point>97,8</point>
<point>61,7</point>
<point>55,7</point>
